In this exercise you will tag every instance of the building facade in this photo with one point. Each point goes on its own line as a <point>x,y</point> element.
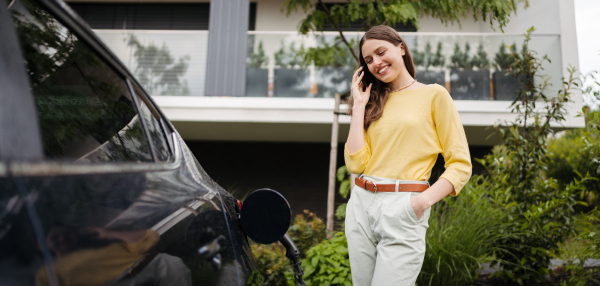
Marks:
<point>226,74</point>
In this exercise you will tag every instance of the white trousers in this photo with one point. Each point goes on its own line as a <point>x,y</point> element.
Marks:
<point>386,241</point>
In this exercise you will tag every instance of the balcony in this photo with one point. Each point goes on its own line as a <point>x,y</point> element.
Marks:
<point>286,102</point>
<point>471,66</point>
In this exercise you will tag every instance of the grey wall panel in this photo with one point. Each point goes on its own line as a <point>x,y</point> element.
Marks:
<point>226,64</point>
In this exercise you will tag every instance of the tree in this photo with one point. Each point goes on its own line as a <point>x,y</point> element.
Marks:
<point>391,12</point>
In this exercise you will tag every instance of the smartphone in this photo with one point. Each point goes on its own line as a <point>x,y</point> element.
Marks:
<point>368,78</point>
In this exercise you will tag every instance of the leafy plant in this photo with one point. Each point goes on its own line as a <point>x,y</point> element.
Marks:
<point>427,58</point>
<point>290,58</point>
<point>574,272</point>
<point>343,176</point>
<point>459,59</point>
<point>462,233</point>
<point>539,211</point>
<point>259,58</point>
<point>577,153</point>
<point>328,263</point>
<point>438,59</point>
<point>480,59</point>
<point>307,231</point>
<point>502,59</point>
<point>591,91</point>
<point>272,263</point>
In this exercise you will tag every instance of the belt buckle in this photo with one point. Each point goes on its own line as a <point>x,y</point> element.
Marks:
<point>374,187</point>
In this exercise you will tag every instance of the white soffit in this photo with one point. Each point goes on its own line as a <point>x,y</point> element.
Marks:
<point>307,110</point>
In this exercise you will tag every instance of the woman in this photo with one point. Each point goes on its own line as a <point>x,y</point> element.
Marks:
<point>398,128</point>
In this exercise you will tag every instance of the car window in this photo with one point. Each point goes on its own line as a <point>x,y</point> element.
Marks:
<point>155,130</point>
<point>84,108</point>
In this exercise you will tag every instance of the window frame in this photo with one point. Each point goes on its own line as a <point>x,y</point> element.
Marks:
<point>143,97</point>
<point>21,167</point>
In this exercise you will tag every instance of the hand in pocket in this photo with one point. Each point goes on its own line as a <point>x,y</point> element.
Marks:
<point>416,207</point>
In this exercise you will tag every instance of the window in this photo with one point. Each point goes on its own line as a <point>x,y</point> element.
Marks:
<point>150,16</point>
<point>155,130</point>
<point>84,108</point>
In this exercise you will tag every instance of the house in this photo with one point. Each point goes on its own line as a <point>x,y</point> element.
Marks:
<point>237,93</point>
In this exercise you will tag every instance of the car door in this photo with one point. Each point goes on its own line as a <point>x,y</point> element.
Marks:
<point>118,199</point>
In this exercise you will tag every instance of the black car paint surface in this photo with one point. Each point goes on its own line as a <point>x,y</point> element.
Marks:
<point>137,208</point>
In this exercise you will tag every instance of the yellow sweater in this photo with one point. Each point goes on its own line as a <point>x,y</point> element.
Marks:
<point>415,127</point>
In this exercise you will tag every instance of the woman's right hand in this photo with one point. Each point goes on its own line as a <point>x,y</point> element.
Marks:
<point>360,97</point>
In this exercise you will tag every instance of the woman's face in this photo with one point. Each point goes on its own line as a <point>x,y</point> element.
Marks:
<point>383,59</point>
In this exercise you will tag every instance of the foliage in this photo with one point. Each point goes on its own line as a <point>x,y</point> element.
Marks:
<point>259,58</point>
<point>343,176</point>
<point>391,12</point>
<point>288,58</point>
<point>157,70</point>
<point>574,271</point>
<point>272,263</point>
<point>480,59</point>
<point>459,59</point>
<point>463,60</point>
<point>462,233</point>
<point>438,59</point>
<point>277,269</point>
<point>502,59</point>
<point>591,90</point>
<point>328,263</point>
<point>426,58</point>
<point>539,210</point>
<point>577,153</point>
<point>307,232</point>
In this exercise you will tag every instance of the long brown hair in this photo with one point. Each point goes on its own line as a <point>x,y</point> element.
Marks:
<point>380,90</point>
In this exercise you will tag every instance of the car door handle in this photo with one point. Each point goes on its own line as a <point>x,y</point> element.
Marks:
<point>210,251</point>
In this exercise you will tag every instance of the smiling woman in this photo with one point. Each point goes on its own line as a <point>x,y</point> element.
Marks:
<point>398,128</point>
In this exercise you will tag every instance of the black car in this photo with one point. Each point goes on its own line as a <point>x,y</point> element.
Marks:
<point>96,186</point>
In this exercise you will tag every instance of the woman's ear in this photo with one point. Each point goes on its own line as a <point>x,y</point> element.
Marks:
<point>402,51</point>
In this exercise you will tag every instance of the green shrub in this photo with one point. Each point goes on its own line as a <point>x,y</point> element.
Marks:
<point>574,154</point>
<point>275,267</point>
<point>574,272</point>
<point>343,176</point>
<point>462,232</point>
<point>307,232</point>
<point>539,212</point>
<point>328,263</point>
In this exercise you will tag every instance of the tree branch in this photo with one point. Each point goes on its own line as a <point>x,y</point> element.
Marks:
<point>337,27</point>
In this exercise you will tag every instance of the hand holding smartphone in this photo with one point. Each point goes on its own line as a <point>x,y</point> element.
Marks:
<point>367,78</point>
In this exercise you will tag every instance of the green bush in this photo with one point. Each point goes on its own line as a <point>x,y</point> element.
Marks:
<point>306,232</point>
<point>574,154</point>
<point>539,212</point>
<point>463,231</point>
<point>328,263</point>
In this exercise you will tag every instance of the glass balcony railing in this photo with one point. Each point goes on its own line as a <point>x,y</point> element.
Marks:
<point>470,66</point>
<point>165,62</point>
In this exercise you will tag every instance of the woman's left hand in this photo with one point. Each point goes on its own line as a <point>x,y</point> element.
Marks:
<point>417,206</point>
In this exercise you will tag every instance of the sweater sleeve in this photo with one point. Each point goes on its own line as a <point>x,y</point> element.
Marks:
<point>357,162</point>
<point>453,141</point>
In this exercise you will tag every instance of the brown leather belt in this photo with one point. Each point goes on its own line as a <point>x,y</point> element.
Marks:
<point>374,187</point>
